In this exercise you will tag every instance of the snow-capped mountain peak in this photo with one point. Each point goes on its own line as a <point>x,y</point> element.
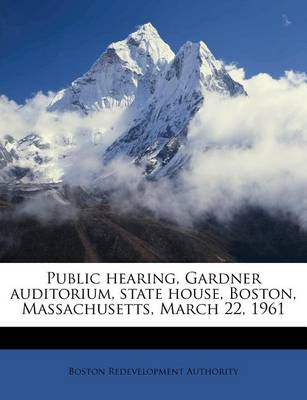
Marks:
<point>141,73</point>
<point>195,63</point>
<point>148,41</point>
<point>147,29</point>
<point>158,137</point>
<point>143,50</point>
<point>125,73</point>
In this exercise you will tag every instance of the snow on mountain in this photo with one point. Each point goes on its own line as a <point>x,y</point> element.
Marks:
<point>158,136</point>
<point>7,151</point>
<point>28,159</point>
<point>142,74</point>
<point>125,73</point>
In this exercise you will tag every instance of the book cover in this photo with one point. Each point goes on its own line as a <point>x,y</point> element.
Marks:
<point>153,234</point>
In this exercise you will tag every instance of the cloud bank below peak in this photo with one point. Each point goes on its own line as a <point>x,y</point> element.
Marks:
<point>240,151</point>
<point>243,151</point>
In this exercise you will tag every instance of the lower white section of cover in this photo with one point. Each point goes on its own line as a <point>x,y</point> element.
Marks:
<point>153,294</point>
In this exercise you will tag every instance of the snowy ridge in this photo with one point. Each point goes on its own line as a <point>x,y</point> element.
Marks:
<point>125,72</point>
<point>157,137</point>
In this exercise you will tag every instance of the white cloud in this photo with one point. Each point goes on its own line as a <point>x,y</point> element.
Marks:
<point>244,151</point>
<point>237,74</point>
<point>83,138</point>
<point>285,21</point>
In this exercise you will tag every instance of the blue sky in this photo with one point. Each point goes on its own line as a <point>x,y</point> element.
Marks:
<point>45,44</point>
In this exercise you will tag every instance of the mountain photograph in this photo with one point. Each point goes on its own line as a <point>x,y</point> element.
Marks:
<point>157,152</point>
